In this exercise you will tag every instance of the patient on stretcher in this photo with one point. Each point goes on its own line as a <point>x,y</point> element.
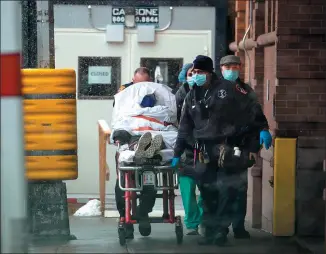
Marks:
<point>140,148</point>
<point>143,122</point>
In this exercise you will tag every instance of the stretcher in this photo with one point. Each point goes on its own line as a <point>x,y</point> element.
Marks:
<point>130,119</point>
<point>155,173</point>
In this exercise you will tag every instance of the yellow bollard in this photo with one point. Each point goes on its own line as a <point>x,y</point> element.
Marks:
<point>284,186</point>
<point>50,124</point>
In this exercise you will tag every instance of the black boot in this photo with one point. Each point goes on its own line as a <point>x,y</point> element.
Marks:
<point>208,238</point>
<point>205,241</point>
<point>220,239</point>
<point>144,226</point>
<point>241,233</point>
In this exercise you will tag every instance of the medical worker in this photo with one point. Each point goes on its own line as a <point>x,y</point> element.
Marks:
<point>222,120</point>
<point>230,68</point>
<point>187,182</point>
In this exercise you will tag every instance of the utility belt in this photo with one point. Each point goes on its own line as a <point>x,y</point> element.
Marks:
<point>232,158</point>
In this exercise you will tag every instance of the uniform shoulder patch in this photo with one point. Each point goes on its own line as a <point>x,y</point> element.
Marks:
<point>222,93</point>
<point>240,89</point>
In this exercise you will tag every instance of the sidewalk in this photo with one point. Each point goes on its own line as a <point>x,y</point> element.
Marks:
<point>99,235</point>
<point>312,245</point>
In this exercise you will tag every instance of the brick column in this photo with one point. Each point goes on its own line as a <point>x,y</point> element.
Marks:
<point>257,82</point>
<point>240,26</point>
<point>258,53</point>
<point>301,69</point>
<point>300,105</point>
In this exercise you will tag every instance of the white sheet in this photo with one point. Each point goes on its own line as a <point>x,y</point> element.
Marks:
<point>127,156</point>
<point>127,110</point>
<point>127,102</point>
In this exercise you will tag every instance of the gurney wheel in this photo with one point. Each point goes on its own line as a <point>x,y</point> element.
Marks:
<point>179,230</point>
<point>145,231</point>
<point>122,236</point>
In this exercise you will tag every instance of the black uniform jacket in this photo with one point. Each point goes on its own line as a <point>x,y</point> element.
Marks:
<point>251,93</point>
<point>215,114</point>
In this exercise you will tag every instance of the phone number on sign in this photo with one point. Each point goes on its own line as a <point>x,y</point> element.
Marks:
<point>147,19</point>
<point>118,19</point>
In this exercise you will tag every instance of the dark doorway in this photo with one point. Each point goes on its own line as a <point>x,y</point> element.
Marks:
<point>169,68</point>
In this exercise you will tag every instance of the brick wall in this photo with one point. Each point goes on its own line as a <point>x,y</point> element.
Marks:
<point>295,69</point>
<point>300,106</point>
<point>270,80</point>
<point>257,74</point>
<point>240,9</point>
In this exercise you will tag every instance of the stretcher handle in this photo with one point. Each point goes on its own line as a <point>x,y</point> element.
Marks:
<point>136,168</point>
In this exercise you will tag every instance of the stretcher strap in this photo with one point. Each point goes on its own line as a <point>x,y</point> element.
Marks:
<point>143,129</point>
<point>150,119</point>
<point>154,120</point>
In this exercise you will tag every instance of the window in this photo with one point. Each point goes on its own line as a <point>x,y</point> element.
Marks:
<point>163,70</point>
<point>98,77</point>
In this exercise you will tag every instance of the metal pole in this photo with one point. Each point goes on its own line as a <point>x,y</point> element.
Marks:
<point>45,34</point>
<point>29,34</point>
<point>47,198</point>
<point>13,183</point>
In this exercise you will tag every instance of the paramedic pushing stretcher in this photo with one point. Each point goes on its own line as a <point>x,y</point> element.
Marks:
<point>221,118</point>
<point>147,196</point>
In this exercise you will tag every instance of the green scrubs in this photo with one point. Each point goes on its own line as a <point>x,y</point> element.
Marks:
<point>193,207</point>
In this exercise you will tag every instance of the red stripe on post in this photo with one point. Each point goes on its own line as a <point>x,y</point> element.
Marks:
<point>10,75</point>
<point>72,200</point>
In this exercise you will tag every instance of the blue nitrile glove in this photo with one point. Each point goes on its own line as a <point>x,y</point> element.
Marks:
<point>175,162</point>
<point>266,139</point>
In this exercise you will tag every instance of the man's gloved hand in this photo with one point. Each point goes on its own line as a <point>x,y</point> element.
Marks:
<point>175,162</point>
<point>266,139</point>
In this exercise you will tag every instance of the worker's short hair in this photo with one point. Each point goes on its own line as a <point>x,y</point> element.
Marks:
<point>142,70</point>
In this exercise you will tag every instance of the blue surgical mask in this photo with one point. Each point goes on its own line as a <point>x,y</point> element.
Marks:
<point>231,75</point>
<point>190,81</point>
<point>199,79</point>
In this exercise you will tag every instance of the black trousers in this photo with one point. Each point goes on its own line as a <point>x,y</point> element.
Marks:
<point>146,200</point>
<point>225,202</point>
<point>219,196</point>
<point>240,206</point>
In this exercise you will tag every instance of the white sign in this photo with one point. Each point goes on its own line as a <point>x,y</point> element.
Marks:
<point>148,178</point>
<point>143,15</point>
<point>147,16</point>
<point>118,15</point>
<point>99,75</point>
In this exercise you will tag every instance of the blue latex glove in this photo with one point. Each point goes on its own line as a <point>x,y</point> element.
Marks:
<point>175,162</point>
<point>266,139</point>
